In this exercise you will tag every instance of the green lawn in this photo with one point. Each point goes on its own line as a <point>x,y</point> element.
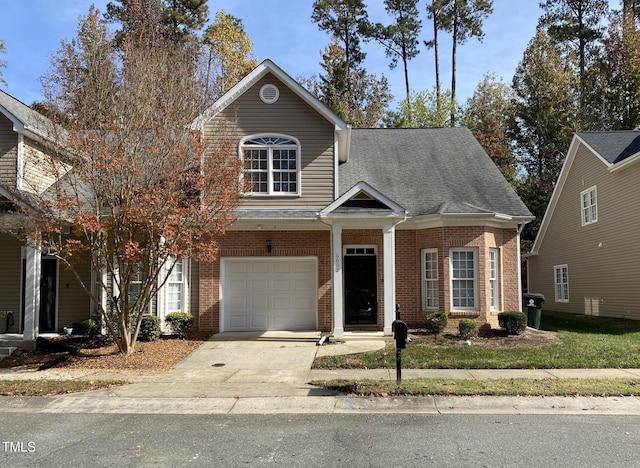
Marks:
<point>586,342</point>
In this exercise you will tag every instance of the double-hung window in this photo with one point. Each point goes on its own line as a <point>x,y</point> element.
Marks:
<point>589,201</point>
<point>176,288</point>
<point>464,274</point>
<point>494,284</point>
<point>271,164</point>
<point>561,281</point>
<point>429,279</point>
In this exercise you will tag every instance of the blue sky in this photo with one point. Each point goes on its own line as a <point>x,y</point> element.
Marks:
<point>283,32</point>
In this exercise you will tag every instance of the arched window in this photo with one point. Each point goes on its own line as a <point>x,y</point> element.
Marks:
<point>271,164</point>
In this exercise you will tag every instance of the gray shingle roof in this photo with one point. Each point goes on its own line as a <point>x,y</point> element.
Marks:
<point>430,171</point>
<point>30,119</point>
<point>614,147</point>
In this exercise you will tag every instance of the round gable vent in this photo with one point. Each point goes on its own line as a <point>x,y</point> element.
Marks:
<point>269,93</point>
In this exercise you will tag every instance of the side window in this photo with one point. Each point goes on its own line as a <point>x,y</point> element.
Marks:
<point>561,282</point>
<point>589,204</point>
<point>494,283</point>
<point>176,288</point>
<point>429,262</point>
<point>271,164</point>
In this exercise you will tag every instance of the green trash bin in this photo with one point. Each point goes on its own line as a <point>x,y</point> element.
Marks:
<point>534,302</point>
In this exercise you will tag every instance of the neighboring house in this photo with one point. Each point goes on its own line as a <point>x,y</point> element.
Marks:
<point>338,225</point>
<point>36,292</point>
<point>585,259</point>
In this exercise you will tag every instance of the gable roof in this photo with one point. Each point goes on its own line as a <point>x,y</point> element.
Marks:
<point>615,149</point>
<point>25,119</point>
<point>363,200</point>
<point>343,130</point>
<point>251,79</point>
<point>431,171</point>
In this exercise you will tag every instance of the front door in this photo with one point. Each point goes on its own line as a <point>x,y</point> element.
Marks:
<point>361,289</point>
<point>48,293</point>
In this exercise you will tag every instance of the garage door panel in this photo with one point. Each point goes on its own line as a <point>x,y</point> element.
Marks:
<point>302,285</point>
<point>282,303</point>
<point>259,286</point>
<point>282,285</point>
<point>238,304</point>
<point>269,294</point>
<point>259,267</point>
<point>259,322</point>
<point>282,267</point>
<point>238,321</point>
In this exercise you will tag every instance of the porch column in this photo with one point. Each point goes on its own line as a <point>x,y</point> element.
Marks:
<point>337,280</point>
<point>389,271</point>
<point>33,265</point>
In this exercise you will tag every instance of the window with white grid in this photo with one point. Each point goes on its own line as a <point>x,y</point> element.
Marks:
<point>430,279</point>
<point>463,278</point>
<point>589,201</point>
<point>271,165</point>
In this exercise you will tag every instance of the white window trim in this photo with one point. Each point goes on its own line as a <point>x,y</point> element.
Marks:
<point>565,286</point>
<point>360,250</point>
<point>494,279</point>
<point>436,280</point>
<point>163,295</point>
<point>586,215</point>
<point>475,307</point>
<point>270,171</point>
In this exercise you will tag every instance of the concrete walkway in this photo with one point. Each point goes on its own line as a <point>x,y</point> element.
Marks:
<point>270,373</point>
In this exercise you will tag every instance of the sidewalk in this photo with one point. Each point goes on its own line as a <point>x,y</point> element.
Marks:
<point>227,376</point>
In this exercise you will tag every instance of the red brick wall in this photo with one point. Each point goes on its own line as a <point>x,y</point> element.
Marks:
<point>409,244</point>
<point>253,244</point>
<point>408,274</point>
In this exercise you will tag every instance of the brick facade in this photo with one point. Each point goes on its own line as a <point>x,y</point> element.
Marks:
<point>409,244</point>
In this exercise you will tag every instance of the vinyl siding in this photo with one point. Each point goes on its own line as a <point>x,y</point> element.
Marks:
<point>39,170</point>
<point>8,152</point>
<point>74,305</point>
<point>290,115</point>
<point>603,258</point>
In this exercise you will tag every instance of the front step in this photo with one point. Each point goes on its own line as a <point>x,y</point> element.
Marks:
<point>6,351</point>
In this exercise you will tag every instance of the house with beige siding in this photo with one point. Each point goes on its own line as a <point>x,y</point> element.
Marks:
<point>585,258</point>
<point>337,227</point>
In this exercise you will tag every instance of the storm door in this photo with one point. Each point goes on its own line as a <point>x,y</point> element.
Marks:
<point>361,285</point>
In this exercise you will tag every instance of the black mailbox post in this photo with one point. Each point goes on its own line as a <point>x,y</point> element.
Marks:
<point>400,334</point>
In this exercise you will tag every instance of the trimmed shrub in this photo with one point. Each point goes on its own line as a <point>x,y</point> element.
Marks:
<point>87,327</point>
<point>180,322</point>
<point>436,322</point>
<point>150,328</point>
<point>467,329</point>
<point>512,321</point>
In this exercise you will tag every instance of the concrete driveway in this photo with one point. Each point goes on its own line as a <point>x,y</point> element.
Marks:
<point>266,364</point>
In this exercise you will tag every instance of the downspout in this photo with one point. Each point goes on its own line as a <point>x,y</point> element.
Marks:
<point>519,257</point>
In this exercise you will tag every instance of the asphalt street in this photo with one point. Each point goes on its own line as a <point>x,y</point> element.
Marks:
<point>307,440</point>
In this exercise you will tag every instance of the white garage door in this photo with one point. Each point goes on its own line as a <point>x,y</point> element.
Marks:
<point>269,294</point>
